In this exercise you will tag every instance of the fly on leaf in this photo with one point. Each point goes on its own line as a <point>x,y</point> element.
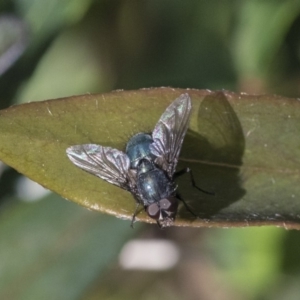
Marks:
<point>147,168</point>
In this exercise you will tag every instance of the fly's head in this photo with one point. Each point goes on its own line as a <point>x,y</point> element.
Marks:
<point>163,211</point>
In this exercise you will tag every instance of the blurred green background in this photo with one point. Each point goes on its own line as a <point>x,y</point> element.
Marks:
<point>54,249</point>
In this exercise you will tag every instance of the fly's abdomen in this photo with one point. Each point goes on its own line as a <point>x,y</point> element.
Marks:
<point>153,186</point>
<point>138,148</point>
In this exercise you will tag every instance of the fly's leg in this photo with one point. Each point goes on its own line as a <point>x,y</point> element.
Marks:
<point>159,225</point>
<point>134,214</point>
<point>185,205</point>
<point>188,170</point>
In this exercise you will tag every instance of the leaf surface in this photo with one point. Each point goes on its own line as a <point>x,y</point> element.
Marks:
<point>243,148</point>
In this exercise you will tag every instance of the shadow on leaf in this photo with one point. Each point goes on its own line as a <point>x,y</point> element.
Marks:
<point>214,153</point>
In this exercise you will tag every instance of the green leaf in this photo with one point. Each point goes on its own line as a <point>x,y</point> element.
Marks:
<point>243,148</point>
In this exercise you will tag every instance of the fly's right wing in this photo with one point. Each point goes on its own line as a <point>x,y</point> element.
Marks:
<point>107,163</point>
<point>169,133</point>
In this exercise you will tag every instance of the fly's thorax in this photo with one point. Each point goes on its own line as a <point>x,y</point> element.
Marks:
<point>145,166</point>
<point>138,148</point>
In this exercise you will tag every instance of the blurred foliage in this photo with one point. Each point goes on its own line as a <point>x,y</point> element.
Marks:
<point>80,46</point>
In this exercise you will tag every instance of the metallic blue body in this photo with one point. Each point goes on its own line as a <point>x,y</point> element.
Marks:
<point>153,183</point>
<point>138,148</point>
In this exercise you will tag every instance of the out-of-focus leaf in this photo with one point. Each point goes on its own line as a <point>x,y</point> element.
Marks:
<point>45,17</point>
<point>14,37</point>
<point>258,185</point>
<point>53,243</point>
<point>252,251</point>
<point>56,74</point>
<point>258,37</point>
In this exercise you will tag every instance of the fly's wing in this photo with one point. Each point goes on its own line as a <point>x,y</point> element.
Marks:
<point>107,163</point>
<point>169,133</point>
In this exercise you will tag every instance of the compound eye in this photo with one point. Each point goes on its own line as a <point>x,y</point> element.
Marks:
<point>169,204</point>
<point>153,210</point>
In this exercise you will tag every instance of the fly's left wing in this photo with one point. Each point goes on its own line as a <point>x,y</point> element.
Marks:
<point>107,163</point>
<point>169,133</point>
